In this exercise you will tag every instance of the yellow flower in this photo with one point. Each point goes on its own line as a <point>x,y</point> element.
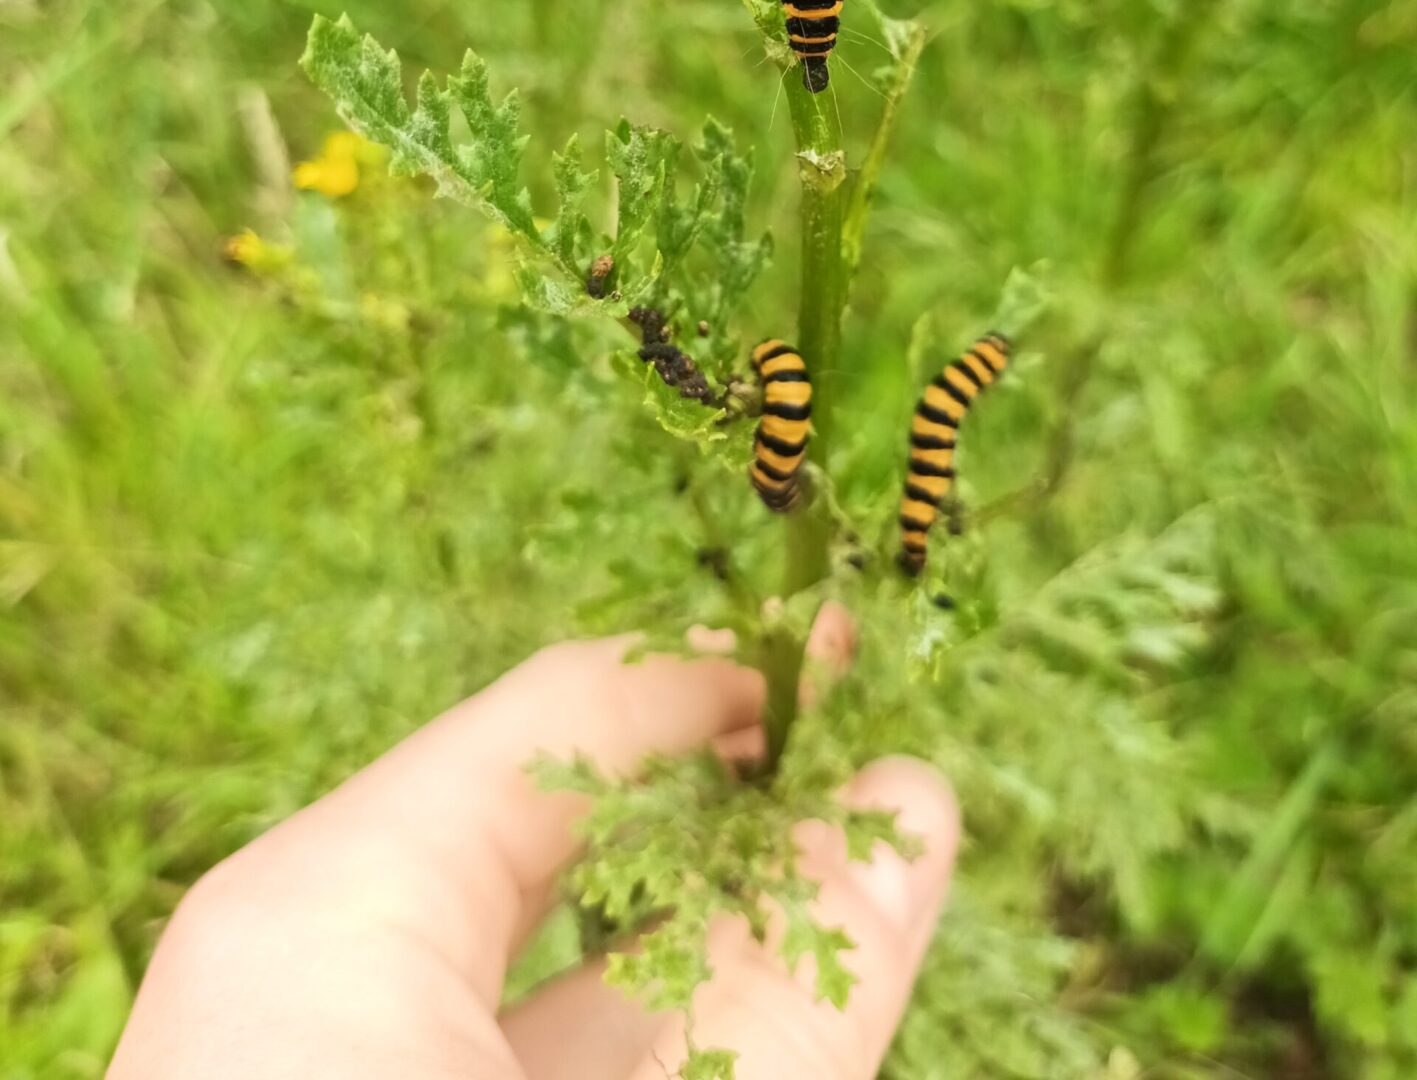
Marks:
<point>249,250</point>
<point>335,172</point>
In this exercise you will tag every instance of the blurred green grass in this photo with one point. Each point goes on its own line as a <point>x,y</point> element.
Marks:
<point>243,549</point>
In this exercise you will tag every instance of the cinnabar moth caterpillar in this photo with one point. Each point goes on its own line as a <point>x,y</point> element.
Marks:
<point>933,430</point>
<point>781,441</point>
<point>811,30</point>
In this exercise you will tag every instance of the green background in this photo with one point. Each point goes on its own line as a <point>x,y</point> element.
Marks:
<point>247,543</point>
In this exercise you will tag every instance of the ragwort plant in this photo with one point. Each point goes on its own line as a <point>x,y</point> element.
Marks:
<point>1023,701</point>
<point>253,535</point>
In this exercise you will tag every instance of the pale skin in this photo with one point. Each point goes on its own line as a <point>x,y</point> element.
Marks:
<point>367,937</point>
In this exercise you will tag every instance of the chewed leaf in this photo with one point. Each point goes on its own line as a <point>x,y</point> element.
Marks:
<point>645,162</point>
<point>682,418</point>
<point>492,159</point>
<point>571,233</point>
<point>555,297</point>
<point>366,84</point>
<point>740,260</point>
<point>655,232</point>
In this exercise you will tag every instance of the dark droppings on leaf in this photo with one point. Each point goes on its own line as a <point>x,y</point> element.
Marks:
<point>703,328</point>
<point>678,370</point>
<point>944,602</point>
<point>675,367</point>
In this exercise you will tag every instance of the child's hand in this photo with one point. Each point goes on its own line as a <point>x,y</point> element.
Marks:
<point>367,937</point>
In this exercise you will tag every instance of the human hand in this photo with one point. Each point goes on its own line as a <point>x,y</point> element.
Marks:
<point>366,938</point>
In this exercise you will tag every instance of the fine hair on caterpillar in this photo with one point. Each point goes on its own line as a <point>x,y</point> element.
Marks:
<point>780,444</point>
<point>934,428</point>
<point>812,28</point>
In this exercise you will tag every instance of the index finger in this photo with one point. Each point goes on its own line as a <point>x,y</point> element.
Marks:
<point>445,837</point>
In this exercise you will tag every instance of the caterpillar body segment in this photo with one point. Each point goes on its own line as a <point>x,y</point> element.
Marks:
<point>933,432</point>
<point>812,26</point>
<point>780,444</point>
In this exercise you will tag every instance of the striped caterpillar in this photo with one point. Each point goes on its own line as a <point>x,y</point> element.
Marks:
<point>932,441</point>
<point>781,441</point>
<point>812,26</point>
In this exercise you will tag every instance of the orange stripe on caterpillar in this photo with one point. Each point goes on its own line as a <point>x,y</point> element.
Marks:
<point>930,473</point>
<point>812,29</point>
<point>780,444</point>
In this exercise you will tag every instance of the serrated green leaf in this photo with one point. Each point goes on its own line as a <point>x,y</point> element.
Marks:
<point>365,83</point>
<point>492,158</point>
<point>825,945</point>
<point>865,829</point>
<point>679,225</point>
<point>644,162</point>
<point>571,231</point>
<point>667,969</point>
<point>738,262</point>
<point>684,419</point>
<point>708,1065</point>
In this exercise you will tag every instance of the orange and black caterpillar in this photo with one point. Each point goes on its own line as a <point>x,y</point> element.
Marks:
<point>781,441</point>
<point>811,29</point>
<point>932,441</point>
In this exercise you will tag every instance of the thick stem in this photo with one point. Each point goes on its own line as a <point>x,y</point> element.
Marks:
<point>863,189</point>
<point>821,166</point>
<point>780,656</point>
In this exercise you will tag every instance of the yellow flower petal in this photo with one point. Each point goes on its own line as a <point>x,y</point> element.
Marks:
<point>343,145</point>
<point>332,177</point>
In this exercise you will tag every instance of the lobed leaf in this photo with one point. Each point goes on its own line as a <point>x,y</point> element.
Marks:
<point>366,84</point>
<point>571,232</point>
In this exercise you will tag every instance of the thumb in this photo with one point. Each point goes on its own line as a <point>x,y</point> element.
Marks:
<point>888,907</point>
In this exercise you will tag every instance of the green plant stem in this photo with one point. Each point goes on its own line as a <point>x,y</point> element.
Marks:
<point>821,167</point>
<point>780,657</point>
<point>863,189</point>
